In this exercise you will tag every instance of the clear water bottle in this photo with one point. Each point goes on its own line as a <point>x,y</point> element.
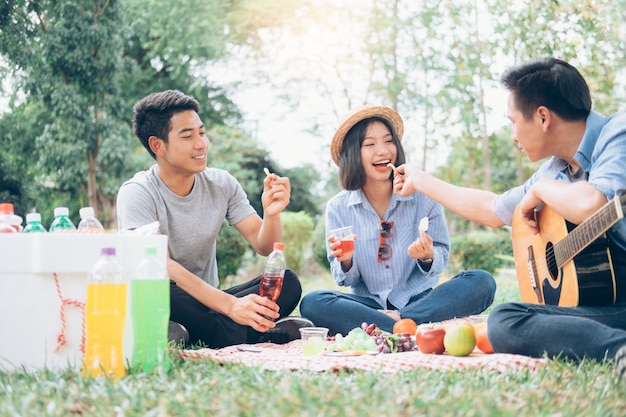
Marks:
<point>9,222</point>
<point>105,318</point>
<point>273,273</point>
<point>88,221</point>
<point>62,221</point>
<point>150,311</point>
<point>33,224</point>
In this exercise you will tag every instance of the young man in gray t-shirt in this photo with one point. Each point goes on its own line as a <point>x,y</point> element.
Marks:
<point>190,202</point>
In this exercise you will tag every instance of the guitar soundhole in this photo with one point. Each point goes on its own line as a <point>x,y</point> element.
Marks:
<point>551,262</point>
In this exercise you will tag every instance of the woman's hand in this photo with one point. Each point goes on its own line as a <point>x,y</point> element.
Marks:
<point>334,244</point>
<point>422,248</point>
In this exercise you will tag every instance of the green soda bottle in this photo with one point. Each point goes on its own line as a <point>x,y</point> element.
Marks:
<point>62,221</point>
<point>33,224</point>
<point>150,312</point>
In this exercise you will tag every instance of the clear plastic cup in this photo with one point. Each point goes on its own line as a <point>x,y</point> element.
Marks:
<point>313,340</point>
<point>347,239</point>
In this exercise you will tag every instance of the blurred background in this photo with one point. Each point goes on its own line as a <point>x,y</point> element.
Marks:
<point>273,77</point>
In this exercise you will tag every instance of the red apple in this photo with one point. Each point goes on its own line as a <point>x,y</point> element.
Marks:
<point>430,339</point>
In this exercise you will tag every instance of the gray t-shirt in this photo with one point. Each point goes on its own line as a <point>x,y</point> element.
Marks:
<point>191,222</point>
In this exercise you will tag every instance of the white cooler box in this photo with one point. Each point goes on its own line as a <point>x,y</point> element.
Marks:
<point>32,313</point>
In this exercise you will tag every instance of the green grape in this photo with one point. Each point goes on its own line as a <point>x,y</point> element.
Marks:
<point>356,339</point>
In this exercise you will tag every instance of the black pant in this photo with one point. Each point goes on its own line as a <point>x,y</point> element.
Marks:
<point>216,330</point>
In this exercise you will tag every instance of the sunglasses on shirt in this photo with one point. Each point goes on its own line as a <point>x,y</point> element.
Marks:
<point>384,250</point>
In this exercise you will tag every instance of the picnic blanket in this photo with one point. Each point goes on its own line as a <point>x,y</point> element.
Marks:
<point>289,356</point>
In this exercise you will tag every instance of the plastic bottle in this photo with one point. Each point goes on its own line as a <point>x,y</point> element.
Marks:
<point>62,222</point>
<point>273,273</point>
<point>9,222</point>
<point>33,224</point>
<point>105,318</point>
<point>150,311</point>
<point>88,222</point>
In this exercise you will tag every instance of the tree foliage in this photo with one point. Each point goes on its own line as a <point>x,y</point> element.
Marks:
<point>436,62</point>
<point>86,62</point>
<point>231,248</point>
<point>76,67</point>
<point>65,52</point>
<point>488,250</point>
<point>297,233</point>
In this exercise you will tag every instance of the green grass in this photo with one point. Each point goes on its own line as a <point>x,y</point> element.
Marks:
<point>199,387</point>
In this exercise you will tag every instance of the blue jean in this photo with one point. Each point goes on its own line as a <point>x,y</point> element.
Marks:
<point>467,293</point>
<point>567,332</point>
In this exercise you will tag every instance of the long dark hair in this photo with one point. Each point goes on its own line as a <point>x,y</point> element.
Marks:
<point>351,173</point>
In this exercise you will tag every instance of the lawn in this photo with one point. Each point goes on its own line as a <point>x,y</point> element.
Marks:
<point>197,387</point>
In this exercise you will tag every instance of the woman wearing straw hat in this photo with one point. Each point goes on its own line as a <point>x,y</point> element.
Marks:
<point>395,266</point>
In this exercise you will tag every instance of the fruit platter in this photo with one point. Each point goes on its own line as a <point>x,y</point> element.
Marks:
<point>454,337</point>
<point>369,339</point>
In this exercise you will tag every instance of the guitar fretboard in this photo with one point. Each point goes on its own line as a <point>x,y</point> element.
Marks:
<point>589,230</point>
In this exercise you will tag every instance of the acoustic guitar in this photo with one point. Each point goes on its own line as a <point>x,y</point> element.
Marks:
<point>565,264</point>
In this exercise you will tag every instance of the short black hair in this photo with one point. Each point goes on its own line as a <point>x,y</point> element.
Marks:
<point>548,82</point>
<point>152,114</point>
<point>351,173</point>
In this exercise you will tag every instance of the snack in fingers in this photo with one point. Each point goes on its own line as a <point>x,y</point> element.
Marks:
<point>423,226</point>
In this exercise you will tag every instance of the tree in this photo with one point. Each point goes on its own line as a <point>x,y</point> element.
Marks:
<point>86,62</point>
<point>297,233</point>
<point>305,197</point>
<point>588,34</point>
<point>66,52</point>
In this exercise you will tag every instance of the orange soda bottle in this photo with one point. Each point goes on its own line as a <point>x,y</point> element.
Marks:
<point>105,318</point>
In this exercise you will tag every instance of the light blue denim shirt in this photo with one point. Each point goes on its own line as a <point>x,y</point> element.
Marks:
<point>402,277</point>
<point>601,154</point>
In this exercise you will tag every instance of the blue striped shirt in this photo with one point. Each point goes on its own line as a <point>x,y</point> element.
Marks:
<point>402,277</point>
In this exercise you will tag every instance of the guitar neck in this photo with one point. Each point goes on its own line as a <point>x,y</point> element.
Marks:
<point>589,230</point>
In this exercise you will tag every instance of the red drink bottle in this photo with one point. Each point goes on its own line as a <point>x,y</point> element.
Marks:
<point>273,273</point>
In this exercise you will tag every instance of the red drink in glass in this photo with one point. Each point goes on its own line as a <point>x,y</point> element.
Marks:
<point>270,286</point>
<point>347,246</point>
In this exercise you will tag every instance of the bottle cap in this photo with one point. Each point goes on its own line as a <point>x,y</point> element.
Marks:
<point>86,212</point>
<point>33,217</point>
<point>279,245</point>
<point>107,251</point>
<point>61,211</point>
<point>6,208</point>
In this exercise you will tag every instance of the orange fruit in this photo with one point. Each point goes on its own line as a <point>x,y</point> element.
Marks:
<point>405,326</point>
<point>482,340</point>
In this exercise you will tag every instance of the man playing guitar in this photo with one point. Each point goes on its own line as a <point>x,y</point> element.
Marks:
<point>549,106</point>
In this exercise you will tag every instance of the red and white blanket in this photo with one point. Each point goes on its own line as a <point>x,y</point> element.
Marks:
<point>289,357</point>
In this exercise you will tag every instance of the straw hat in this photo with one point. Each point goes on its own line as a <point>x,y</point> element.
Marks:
<point>358,114</point>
